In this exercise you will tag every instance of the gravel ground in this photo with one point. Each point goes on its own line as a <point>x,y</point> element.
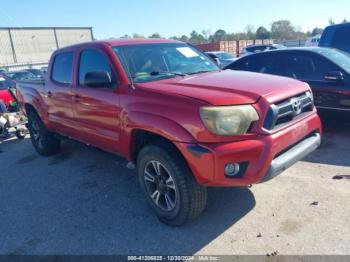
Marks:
<point>84,201</point>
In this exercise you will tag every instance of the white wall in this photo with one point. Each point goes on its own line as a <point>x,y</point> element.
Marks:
<point>36,45</point>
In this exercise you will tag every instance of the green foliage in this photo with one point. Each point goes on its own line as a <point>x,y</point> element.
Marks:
<point>220,35</point>
<point>280,30</point>
<point>155,35</point>
<point>263,33</point>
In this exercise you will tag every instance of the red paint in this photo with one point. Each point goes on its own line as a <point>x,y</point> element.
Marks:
<point>170,108</point>
<point>6,97</point>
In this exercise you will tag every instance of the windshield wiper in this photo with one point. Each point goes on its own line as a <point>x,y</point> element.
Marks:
<point>200,72</point>
<point>155,73</point>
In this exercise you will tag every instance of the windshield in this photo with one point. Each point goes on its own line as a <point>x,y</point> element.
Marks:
<point>151,62</point>
<point>340,58</point>
<point>224,55</point>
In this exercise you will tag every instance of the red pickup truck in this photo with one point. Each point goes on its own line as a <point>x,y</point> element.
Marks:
<point>169,109</point>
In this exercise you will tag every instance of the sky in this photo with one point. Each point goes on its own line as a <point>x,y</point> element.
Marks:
<point>177,17</point>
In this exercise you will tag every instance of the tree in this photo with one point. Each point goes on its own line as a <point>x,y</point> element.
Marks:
<point>155,35</point>
<point>262,33</point>
<point>184,38</point>
<point>196,38</point>
<point>282,30</point>
<point>231,37</point>
<point>316,31</point>
<point>206,33</point>
<point>125,37</point>
<point>136,35</point>
<point>219,35</point>
<point>331,21</point>
<point>344,21</point>
<point>250,32</point>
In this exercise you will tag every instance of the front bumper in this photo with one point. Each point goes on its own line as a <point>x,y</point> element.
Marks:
<point>293,155</point>
<point>263,158</point>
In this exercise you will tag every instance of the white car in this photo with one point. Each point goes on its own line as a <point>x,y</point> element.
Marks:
<point>313,41</point>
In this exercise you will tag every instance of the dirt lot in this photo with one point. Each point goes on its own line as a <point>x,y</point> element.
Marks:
<point>84,201</point>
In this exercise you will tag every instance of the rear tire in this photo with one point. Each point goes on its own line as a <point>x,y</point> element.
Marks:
<point>44,141</point>
<point>180,198</point>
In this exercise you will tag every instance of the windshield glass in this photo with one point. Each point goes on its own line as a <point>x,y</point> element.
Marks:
<point>224,55</point>
<point>338,57</point>
<point>151,62</point>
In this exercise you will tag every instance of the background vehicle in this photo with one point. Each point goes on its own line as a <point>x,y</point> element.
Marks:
<point>313,41</point>
<point>36,72</point>
<point>5,95</point>
<point>2,71</point>
<point>169,109</point>
<point>260,48</point>
<point>43,70</point>
<point>337,36</point>
<point>10,118</point>
<point>326,70</point>
<point>20,75</point>
<point>224,58</point>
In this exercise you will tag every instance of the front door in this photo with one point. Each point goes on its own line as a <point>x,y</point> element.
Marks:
<point>312,69</point>
<point>96,109</point>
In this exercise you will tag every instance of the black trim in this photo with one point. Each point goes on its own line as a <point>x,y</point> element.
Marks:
<point>291,155</point>
<point>197,150</point>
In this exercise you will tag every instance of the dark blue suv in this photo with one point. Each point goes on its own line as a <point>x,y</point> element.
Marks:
<point>337,36</point>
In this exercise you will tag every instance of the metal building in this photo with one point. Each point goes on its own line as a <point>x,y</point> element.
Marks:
<point>33,46</point>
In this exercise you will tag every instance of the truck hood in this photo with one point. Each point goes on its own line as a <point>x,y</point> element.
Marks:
<point>229,87</point>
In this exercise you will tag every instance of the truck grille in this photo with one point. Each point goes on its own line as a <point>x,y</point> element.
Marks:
<point>288,110</point>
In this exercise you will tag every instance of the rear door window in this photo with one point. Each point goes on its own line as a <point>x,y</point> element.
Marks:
<point>341,38</point>
<point>62,68</point>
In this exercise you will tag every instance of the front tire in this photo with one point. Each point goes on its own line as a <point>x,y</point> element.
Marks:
<point>169,185</point>
<point>44,142</point>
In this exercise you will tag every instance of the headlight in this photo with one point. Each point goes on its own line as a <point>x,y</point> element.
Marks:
<point>228,120</point>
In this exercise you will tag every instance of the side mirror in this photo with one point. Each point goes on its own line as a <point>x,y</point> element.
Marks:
<point>98,79</point>
<point>334,76</point>
<point>217,61</point>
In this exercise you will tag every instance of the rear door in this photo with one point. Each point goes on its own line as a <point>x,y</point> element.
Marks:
<point>58,93</point>
<point>312,69</point>
<point>96,109</point>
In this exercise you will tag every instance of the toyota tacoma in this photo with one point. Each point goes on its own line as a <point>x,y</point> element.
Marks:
<point>168,109</point>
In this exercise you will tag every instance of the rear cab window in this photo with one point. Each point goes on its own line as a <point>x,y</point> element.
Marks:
<point>341,38</point>
<point>62,68</point>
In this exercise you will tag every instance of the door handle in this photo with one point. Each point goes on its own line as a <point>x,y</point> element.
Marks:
<point>49,94</point>
<point>76,98</point>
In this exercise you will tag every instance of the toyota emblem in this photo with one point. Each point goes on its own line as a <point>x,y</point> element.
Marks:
<point>296,105</point>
